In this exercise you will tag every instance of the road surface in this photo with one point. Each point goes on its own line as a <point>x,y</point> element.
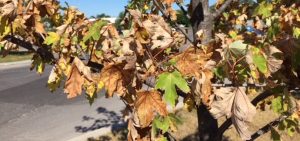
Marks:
<point>29,112</point>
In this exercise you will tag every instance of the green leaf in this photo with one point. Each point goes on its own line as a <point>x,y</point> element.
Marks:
<point>264,9</point>
<point>1,47</point>
<point>291,126</point>
<point>291,131</point>
<point>273,30</point>
<point>91,99</point>
<point>277,104</point>
<point>162,139</point>
<point>275,135</point>
<point>53,38</point>
<point>233,34</point>
<point>219,72</point>
<point>162,124</point>
<point>167,82</point>
<point>174,119</point>
<point>296,32</point>
<point>238,48</point>
<point>94,31</point>
<point>259,61</point>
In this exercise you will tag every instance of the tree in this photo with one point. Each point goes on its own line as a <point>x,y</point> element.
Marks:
<point>251,44</point>
<point>119,19</point>
<point>100,16</point>
<point>182,18</point>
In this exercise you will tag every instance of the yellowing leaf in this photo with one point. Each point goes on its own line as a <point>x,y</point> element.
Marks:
<point>149,102</point>
<point>54,79</point>
<point>53,38</point>
<point>296,32</point>
<point>264,9</point>
<point>38,64</point>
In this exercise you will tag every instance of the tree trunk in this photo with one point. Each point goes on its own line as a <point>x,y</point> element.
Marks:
<point>202,19</point>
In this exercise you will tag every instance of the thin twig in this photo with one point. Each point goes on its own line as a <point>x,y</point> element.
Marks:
<point>218,12</point>
<point>165,15</point>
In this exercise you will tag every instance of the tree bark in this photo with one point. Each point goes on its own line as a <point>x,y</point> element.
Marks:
<point>202,19</point>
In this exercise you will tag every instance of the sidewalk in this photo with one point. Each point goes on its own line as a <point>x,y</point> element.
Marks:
<point>102,131</point>
<point>18,64</point>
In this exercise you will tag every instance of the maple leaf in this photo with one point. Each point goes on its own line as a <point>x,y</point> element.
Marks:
<point>38,64</point>
<point>168,82</point>
<point>256,57</point>
<point>264,9</point>
<point>8,7</point>
<point>115,79</point>
<point>78,74</point>
<point>273,63</point>
<point>198,65</point>
<point>265,61</point>
<point>146,104</point>
<point>133,134</point>
<point>55,78</point>
<point>75,80</point>
<point>238,48</point>
<point>53,38</point>
<point>191,63</point>
<point>94,31</point>
<point>235,103</point>
<point>83,69</point>
<point>160,34</point>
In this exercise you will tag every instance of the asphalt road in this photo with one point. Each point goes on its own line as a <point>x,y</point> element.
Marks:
<point>29,112</point>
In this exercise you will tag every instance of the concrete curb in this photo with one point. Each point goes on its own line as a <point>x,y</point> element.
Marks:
<point>17,64</point>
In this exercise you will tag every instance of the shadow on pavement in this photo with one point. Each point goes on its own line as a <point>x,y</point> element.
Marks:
<point>106,119</point>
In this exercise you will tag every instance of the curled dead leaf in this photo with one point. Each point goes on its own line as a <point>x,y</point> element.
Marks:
<point>115,79</point>
<point>235,103</point>
<point>149,102</point>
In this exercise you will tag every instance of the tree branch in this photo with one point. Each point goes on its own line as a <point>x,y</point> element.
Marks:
<point>218,12</point>
<point>268,127</point>
<point>19,42</point>
<point>165,15</point>
<point>43,52</point>
<point>183,10</point>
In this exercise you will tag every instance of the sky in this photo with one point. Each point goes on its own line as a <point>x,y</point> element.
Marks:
<point>109,7</point>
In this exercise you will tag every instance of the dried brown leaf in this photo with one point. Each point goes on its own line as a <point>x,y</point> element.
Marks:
<point>7,7</point>
<point>149,102</point>
<point>75,80</point>
<point>115,79</point>
<point>191,63</point>
<point>243,112</point>
<point>235,103</point>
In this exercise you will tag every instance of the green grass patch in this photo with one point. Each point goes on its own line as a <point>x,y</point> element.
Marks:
<point>16,57</point>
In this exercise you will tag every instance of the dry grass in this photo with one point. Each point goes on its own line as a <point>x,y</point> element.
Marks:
<point>188,130</point>
<point>15,57</point>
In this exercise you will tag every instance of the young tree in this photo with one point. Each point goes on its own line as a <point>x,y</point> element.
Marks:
<point>235,45</point>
